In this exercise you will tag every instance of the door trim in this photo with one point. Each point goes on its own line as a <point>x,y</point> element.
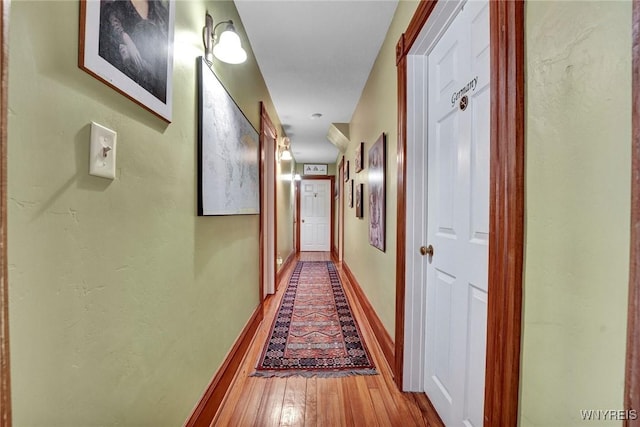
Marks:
<point>331,220</point>
<point>5,369</point>
<point>632,371</point>
<point>267,130</point>
<point>506,215</point>
<point>341,202</point>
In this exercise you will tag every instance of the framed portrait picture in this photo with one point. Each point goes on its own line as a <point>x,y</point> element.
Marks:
<point>350,193</point>
<point>129,47</point>
<point>359,157</point>
<point>359,192</point>
<point>346,171</point>
<point>377,193</point>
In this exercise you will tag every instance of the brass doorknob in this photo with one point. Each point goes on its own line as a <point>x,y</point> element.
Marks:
<point>426,250</point>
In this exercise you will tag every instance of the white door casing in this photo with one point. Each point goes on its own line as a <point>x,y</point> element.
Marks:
<point>269,214</point>
<point>458,134</point>
<point>315,215</point>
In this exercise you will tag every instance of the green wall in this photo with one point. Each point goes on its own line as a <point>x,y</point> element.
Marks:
<point>123,303</point>
<point>374,115</point>
<point>578,157</point>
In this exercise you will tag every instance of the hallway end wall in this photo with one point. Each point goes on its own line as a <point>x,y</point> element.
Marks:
<point>123,302</point>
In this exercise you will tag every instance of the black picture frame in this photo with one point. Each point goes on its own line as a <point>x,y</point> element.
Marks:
<point>359,203</point>
<point>359,159</point>
<point>350,194</point>
<point>228,151</point>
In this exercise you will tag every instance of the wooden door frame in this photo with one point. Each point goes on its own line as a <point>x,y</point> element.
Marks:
<point>632,371</point>
<point>341,209</point>
<point>331,180</point>
<point>506,212</point>
<point>5,369</point>
<point>267,130</point>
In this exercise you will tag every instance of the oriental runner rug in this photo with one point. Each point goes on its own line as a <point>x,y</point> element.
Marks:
<point>314,332</point>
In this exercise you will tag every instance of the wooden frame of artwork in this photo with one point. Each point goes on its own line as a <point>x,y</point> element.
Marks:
<point>346,171</point>
<point>228,151</point>
<point>377,193</point>
<point>135,60</point>
<point>359,202</point>
<point>359,160</point>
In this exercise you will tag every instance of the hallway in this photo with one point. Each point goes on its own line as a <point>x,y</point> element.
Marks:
<point>297,401</point>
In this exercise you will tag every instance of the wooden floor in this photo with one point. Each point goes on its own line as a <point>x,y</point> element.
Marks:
<point>297,401</point>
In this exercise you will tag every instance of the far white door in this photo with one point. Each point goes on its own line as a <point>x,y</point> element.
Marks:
<point>315,215</point>
<point>458,128</point>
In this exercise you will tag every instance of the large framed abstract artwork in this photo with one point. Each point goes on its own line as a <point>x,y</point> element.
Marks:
<point>129,46</point>
<point>228,151</point>
<point>377,193</point>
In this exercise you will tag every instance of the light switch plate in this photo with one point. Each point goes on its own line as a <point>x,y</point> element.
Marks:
<point>102,155</point>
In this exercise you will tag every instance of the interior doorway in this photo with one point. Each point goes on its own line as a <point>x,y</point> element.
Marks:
<point>317,203</point>
<point>506,202</point>
<point>315,215</point>
<point>450,74</point>
<point>268,137</point>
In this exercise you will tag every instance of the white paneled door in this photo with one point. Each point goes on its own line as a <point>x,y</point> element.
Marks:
<point>315,215</point>
<point>458,217</point>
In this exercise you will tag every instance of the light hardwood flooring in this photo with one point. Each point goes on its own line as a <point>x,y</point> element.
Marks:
<point>297,401</point>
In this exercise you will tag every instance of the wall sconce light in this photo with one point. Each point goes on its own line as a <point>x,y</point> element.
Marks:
<point>284,149</point>
<point>227,47</point>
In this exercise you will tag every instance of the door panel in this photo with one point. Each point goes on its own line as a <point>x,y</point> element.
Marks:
<point>315,227</point>
<point>443,128</point>
<point>476,349</point>
<point>458,130</point>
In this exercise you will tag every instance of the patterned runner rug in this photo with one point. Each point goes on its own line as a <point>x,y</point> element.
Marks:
<point>314,332</point>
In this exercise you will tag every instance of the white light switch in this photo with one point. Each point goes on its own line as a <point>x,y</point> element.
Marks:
<point>102,155</point>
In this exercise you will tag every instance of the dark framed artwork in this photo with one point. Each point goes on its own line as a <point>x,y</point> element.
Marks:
<point>359,163</point>
<point>350,193</point>
<point>228,151</point>
<point>377,193</point>
<point>346,171</point>
<point>359,193</point>
<point>130,49</point>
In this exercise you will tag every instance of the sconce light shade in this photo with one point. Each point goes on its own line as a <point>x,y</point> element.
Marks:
<point>284,149</point>
<point>227,47</point>
<point>286,155</point>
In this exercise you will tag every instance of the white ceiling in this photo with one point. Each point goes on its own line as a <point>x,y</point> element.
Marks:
<point>315,57</point>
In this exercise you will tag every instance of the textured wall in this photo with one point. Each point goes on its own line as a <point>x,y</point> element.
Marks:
<point>123,303</point>
<point>578,151</point>
<point>375,114</point>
